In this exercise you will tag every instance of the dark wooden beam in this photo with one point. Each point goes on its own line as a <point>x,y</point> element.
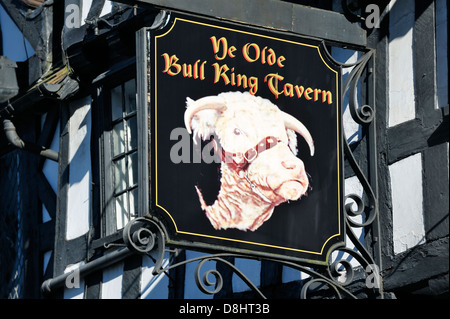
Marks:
<point>416,265</point>
<point>323,24</point>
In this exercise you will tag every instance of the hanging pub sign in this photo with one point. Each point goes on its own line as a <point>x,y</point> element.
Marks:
<point>245,140</point>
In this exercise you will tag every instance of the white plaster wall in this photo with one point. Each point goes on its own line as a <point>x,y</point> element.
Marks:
<point>78,206</point>
<point>407,203</point>
<point>401,72</point>
<point>111,287</point>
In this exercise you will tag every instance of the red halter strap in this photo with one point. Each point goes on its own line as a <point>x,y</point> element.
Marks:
<point>241,160</point>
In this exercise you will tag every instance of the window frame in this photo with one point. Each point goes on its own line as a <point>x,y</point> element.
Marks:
<point>104,215</point>
<point>121,157</point>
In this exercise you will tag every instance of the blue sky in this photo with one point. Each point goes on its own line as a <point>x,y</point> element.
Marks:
<point>15,47</point>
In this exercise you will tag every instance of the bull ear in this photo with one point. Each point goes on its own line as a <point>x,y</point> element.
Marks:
<point>201,115</point>
<point>292,141</point>
<point>292,123</point>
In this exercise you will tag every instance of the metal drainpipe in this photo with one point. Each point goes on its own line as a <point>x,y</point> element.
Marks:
<point>50,285</point>
<point>14,139</point>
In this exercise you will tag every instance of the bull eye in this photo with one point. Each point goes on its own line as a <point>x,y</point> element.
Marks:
<point>237,131</point>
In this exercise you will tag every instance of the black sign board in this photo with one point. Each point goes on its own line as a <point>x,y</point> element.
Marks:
<point>245,140</point>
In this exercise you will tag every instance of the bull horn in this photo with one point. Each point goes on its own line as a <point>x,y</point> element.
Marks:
<point>292,123</point>
<point>208,102</point>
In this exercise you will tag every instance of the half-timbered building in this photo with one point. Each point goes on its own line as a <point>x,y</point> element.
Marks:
<point>77,162</point>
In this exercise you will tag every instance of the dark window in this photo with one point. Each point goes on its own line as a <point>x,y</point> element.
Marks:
<point>115,151</point>
<point>124,153</point>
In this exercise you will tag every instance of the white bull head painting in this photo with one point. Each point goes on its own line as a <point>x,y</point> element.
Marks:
<point>259,167</point>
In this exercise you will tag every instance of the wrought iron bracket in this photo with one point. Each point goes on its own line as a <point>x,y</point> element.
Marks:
<point>339,274</point>
<point>145,235</point>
